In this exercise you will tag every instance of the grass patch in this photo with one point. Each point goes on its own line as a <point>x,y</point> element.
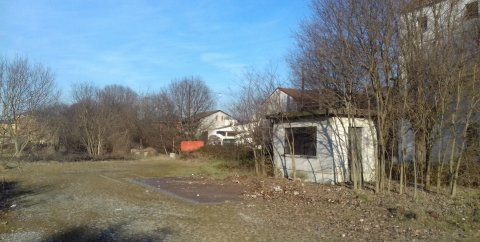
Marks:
<point>222,168</point>
<point>214,168</point>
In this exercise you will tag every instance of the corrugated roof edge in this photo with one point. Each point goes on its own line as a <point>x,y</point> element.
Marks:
<point>342,112</point>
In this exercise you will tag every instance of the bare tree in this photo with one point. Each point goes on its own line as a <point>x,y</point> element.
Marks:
<point>250,108</point>
<point>24,89</point>
<point>55,124</point>
<point>106,119</point>
<point>158,122</point>
<point>350,47</point>
<point>466,103</point>
<point>440,56</point>
<point>90,122</point>
<point>191,96</point>
<point>122,128</point>
<point>415,60</point>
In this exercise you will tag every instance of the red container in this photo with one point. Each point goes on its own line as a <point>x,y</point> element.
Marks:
<point>189,146</point>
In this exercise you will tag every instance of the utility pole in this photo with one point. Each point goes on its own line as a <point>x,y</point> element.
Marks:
<point>303,88</point>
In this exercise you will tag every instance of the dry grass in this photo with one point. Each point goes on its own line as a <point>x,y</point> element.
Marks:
<point>95,201</point>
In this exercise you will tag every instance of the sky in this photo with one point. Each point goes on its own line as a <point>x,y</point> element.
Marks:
<point>145,44</point>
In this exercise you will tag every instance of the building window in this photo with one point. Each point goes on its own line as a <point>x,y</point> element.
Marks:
<point>301,141</point>
<point>216,117</point>
<point>471,10</point>
<point>423,23</point>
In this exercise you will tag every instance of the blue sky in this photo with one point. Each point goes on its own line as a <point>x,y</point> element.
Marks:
<point>146,44</point>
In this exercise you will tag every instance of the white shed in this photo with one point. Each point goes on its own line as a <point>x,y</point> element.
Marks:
<point>321,145</point>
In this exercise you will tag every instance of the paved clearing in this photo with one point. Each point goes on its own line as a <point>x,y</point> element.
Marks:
<point>194,190</point>
<point>132,201</point>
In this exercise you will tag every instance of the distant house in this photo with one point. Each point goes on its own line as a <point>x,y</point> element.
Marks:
<point>231,134</point>
<point>213,119</point>
<point>203,122</point>
<point>315,135</point>
<point>222,128</point>
<point>222,135</point>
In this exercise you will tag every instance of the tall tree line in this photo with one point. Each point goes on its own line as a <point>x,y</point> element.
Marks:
<point>100,121</point>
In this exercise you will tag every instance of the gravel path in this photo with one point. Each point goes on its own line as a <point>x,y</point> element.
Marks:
<point>97,201</point>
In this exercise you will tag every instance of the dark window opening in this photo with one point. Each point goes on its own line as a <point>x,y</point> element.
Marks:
<point>301,141</point>
<point>227,133</point>
<point>471,10</point>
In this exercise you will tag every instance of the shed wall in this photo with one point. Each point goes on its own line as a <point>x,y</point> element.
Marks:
<point>330,165</point>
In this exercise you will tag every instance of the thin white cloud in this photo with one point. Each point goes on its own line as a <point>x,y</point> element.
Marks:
<point>144,42</point>
<point>223,61</point>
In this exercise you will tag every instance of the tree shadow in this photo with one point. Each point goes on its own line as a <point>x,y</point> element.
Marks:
<point>12,195</point>
<point>112,233</point>
<point>10,191</point>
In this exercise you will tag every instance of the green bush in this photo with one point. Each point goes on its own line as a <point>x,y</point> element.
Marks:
<point>234,155</point>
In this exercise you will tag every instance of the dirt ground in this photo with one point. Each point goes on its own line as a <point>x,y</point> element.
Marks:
<point>156,200</point>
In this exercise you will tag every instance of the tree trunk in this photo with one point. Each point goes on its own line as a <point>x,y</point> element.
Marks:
<point>255,158</point>
<point>262,162</point>
<point>453,186</point>
<point>294,168</point>
<point>420,153</point>
<point>402,181</point>
<point>19,146</point>
<point>439,177</point>
<point>428,168</point>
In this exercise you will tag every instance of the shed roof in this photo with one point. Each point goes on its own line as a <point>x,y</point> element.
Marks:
<point>312,99</point>
<point>324,99</point>
<point>340,112</point>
